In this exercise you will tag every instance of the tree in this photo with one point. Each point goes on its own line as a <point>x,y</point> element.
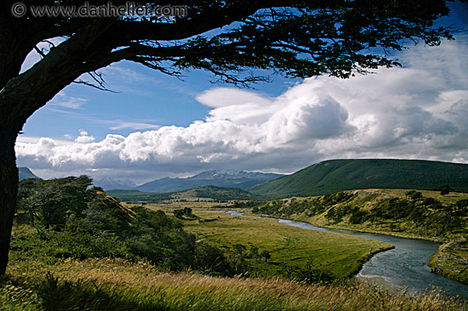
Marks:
<point>298,38</point>
<point>444,189</point>
<point>53,201</point>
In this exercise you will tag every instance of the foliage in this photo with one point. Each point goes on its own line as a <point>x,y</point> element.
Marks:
<point>77,221</point>
<point>54,202</point>
<point>185,213</point>
<point>427,216</point>
<point>312,206</point>
<point>444,189</point>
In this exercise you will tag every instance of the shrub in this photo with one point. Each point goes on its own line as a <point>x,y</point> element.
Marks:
<point>76,221</point>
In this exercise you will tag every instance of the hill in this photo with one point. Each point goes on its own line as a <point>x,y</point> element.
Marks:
<point>338,175</point>
<point>204,192</point>
<point>24,173</point>
<point>219,178</point>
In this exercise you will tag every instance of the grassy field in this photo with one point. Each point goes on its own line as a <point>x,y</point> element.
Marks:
<point>36,283</point>
<point>105,284</point>
<point>335,254</point>
<point>103,255</point>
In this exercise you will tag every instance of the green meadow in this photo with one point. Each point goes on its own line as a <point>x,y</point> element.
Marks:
<point>290,248</point>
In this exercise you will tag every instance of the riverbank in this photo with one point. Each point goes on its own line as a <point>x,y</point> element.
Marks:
<point>451,260</point>
<point>360,229</point>
<point>404,266</point>
<point>409,214</point>
<point>425,215</point>
<point>361,261</point>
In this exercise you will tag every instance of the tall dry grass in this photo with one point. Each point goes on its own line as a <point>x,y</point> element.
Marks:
<point>118,285</point>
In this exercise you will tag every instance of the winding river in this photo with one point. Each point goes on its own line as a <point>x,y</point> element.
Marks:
<point>404,266</point>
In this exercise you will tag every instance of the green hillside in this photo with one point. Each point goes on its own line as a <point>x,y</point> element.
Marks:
<point>204,192</point>
<point>338,175</point>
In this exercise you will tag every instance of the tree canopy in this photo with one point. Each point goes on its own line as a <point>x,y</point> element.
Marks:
<point>299,38</point>
<point>228,38</point>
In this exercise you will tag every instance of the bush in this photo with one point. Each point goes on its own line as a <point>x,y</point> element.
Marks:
<point>76,221</point>
<point>444,189</point>
<point>211,260</point>
<point>358,216</point>
<point>414,195</point>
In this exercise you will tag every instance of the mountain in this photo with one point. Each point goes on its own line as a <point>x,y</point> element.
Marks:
<point>337,175</point>
<point>219,178</point>
<point>24,173</point>
<point>205,192</point>
<point>110,183</point>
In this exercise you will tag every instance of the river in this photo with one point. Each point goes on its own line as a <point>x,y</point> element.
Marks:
<point>404,266</point>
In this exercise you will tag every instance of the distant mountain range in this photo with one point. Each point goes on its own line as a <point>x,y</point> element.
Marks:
<point>111,183</point>
<point>24,173</point>
<point>321,178</point>
<point>338,175</point>
<point>219,178</point>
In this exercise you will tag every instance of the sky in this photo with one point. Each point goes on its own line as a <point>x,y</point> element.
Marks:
<point>153,126</point>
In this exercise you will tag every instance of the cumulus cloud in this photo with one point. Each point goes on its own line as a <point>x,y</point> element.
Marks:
<point>415,112</point>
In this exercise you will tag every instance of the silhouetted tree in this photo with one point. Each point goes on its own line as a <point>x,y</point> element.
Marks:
<point>299,38</point>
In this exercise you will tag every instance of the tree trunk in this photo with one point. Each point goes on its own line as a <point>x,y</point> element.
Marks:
<point>8,191</point>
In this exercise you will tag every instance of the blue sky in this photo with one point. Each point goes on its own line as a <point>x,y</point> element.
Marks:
<point>156,125</point>
<point>142,96</point>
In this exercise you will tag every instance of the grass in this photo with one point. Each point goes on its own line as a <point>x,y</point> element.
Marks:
<point>106,284</point>
<point>169,206</point>
<point>335,254</point>
<point>38,283</point>
<point>450,263</point>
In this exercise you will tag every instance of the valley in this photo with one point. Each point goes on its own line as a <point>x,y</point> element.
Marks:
<point>69,236</point>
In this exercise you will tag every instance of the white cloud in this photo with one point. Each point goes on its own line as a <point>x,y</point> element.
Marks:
<point>84,139</point>
<point>65,101</point>
<point>416,112</point>
<point>133,125</point>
